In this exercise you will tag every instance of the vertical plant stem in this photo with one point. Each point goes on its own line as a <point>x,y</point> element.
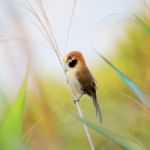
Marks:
<point>85,127</point>
<point>46,25</point>
<point>70,24</point>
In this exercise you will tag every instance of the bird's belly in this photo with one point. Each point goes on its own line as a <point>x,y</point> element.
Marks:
<point>75,85</point>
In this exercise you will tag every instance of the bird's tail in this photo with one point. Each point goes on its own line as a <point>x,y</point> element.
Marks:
<point>97,108</point>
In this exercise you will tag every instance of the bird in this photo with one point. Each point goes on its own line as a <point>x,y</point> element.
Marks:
<point>80,79</point>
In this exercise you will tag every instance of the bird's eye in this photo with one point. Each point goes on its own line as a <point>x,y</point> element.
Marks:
<point>69,58</point>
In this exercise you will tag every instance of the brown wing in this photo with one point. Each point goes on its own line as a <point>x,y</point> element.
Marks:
<point>87,82</point>
<point>89,87</point>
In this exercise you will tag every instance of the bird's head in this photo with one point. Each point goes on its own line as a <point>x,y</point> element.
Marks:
<point>74,59</point>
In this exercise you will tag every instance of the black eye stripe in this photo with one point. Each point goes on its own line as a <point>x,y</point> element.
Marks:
<point>72,62</point>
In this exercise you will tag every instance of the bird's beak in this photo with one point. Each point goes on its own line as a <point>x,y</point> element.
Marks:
<point>65,59</point>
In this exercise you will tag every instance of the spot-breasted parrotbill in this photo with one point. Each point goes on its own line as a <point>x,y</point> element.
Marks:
<point>80,78</point>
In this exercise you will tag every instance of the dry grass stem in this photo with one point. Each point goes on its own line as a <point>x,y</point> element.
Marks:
<point>70,24</point>
<point>42,18</point>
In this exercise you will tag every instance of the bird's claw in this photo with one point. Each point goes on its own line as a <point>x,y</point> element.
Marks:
<point>75,100</point>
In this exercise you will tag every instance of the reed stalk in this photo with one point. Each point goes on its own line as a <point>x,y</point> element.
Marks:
<point>38,11</point>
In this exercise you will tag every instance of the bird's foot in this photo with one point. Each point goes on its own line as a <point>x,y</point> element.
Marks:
<point>75,100</point>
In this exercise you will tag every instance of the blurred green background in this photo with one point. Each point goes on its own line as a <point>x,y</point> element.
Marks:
<point>46,123</point>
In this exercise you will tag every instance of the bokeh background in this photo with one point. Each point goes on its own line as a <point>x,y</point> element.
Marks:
<point>110,27</point>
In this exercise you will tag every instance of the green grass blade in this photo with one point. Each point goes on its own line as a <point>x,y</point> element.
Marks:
<point>10,129</point>
<point>117,139</point>
<point>142,97</point>
<point>144,26</point>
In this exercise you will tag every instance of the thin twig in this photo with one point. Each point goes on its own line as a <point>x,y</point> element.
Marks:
<point>70,24</point>
<point>45,23</point>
